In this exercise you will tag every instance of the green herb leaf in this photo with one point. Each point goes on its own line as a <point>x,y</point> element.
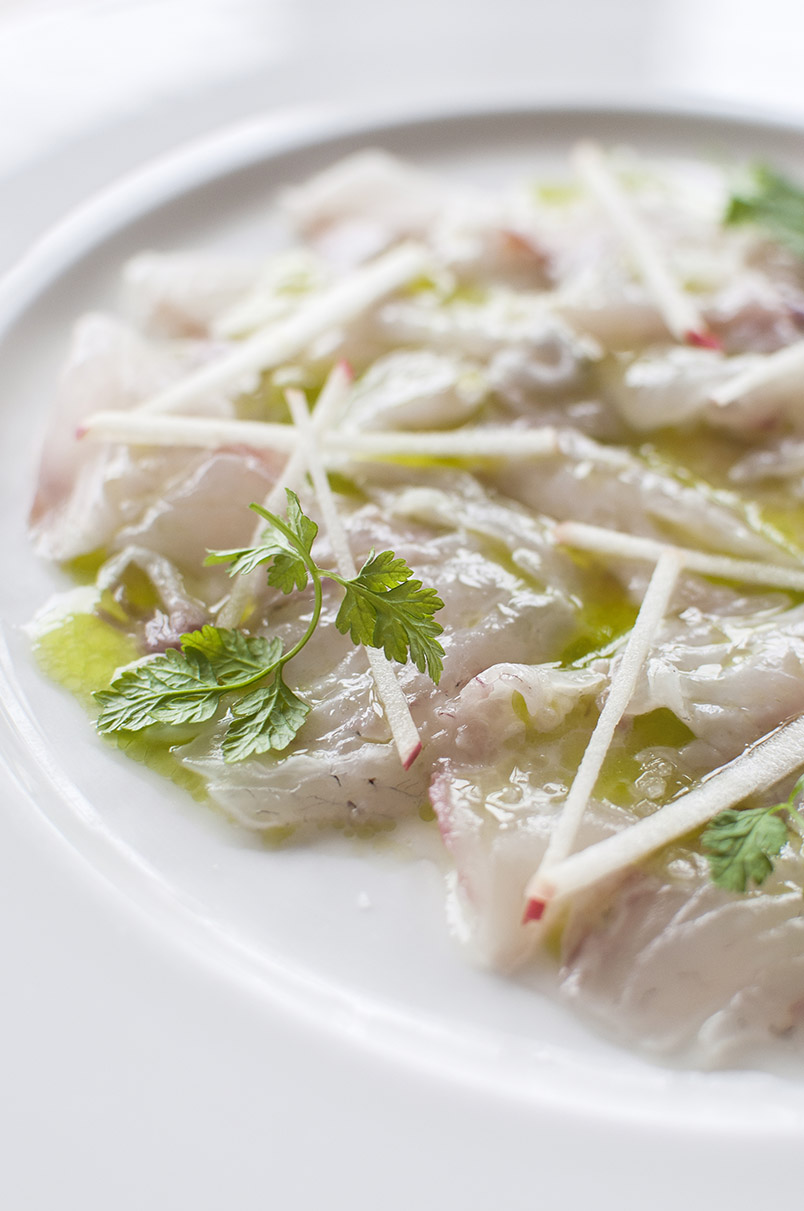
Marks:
<point>284,545</point>
<point>245,559</point>
<point>774,203</point>
<point>383,571</point>
<point>266,719</point>
<point>302,526</point>
<point>384,607</point>
<point>174,688</point>
<point>740,846</point>
<point>185,687</point>
<point>290,569</point>
<point>288,572</point>
<point>232,655</point>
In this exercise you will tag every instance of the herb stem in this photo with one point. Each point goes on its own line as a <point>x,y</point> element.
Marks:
<point>796,817</point>
<point>318,599</point>
<point>316,614</point>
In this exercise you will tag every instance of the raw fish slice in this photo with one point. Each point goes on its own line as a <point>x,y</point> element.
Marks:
<point>491,615</point>
<point>182,294</point>
<point>623,492</point>
<point>709,662</point>
<point>657,390</point>
<point>783,459</point>
<point>204,507</point>
<point>362,204</point>
<point>757,314</point>
<point>86,492</point>
<point>501,323</point>
<point>180,611</point>
<point>496,822</point>
<point>416,389</point>
<point>670,960</point>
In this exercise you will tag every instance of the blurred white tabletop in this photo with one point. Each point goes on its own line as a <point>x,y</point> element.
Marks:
<point>100,1111</point>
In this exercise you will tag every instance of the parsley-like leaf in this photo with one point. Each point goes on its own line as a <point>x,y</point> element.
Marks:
<point>740,846</point>
<point>232,655</point>
<point>774,203</point>
<point>185,687</point>
<point>268,718</point>
<point>384,607</point>
<point>300,525</point>
<point>246,559</point>
<point>284,545</point>
<point>288,572</point>
<point>175,688</point>
<point>383,571</point>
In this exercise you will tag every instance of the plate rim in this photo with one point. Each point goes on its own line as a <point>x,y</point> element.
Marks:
<point>237,145</point>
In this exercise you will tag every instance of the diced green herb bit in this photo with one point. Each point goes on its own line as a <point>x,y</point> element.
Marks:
<point>775,204</point>
<point>742,843</point>
<point>383,607</point>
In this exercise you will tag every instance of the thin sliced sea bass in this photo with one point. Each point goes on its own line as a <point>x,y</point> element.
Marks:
<point>627,493</point>
<point>670,961</point>
<point>93,497</point>
<point>238,369</point>
<point>343,772</point>
<point>555,390</point>
<point>495,840</point>
<point>182,294</point>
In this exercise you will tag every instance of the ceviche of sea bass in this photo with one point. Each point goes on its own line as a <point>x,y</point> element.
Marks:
<point>482,506</point>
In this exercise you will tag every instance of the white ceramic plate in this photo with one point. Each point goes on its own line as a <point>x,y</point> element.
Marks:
<point>291,926</point>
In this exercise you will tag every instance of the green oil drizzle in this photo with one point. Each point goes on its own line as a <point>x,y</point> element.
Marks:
<point>82,653</point>
<point>701,459</point>
<point>604,612</point>
<point>623,765</point>
<point>84,568</point>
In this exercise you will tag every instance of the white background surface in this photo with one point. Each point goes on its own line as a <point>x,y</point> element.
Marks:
<point>133,1074</point>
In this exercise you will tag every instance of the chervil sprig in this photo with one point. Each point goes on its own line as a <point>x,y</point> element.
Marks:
<point>383,607</point>
<point>742,844</point>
